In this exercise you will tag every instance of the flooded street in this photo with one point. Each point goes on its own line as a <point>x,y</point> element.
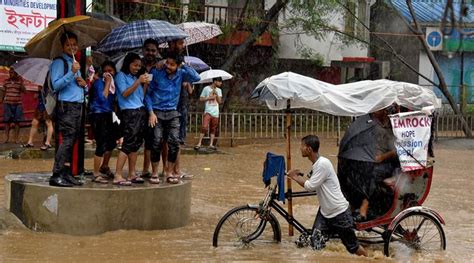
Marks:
<point>223,181</point>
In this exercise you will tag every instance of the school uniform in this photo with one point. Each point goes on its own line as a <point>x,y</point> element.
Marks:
<point>162,98</point>
<point>101,109</point>
<point>133,112</point>
<point>68,111</point>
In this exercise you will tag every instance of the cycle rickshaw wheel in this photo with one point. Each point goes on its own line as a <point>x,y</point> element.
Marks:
<point>242,225</point>
<point>415,232</point>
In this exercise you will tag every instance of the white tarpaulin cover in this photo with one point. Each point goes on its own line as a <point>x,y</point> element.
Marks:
<point>352,99</point>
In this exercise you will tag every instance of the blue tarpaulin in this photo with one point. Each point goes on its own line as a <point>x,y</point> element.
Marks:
<point>275,166</point>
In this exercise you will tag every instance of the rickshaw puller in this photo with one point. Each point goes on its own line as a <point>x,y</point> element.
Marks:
<point>334,214</point>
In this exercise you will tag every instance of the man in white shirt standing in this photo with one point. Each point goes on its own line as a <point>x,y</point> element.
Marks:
<point>334,214</point>
<point>212,96</point>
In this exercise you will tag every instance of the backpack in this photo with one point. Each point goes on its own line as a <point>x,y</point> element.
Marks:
<point>50,96</point>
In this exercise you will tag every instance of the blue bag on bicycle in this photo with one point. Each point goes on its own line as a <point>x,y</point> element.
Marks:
<point>274,165</point>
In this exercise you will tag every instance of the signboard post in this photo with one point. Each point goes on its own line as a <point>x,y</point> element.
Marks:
<point>20,20</point>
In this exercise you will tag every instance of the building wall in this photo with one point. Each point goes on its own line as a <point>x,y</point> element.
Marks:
<point>330,48</point>
<point>451,68</point>
<point>385,20</point>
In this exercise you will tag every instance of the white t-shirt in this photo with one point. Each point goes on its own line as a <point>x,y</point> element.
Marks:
<point>212,106</point>
<point>324,181</point>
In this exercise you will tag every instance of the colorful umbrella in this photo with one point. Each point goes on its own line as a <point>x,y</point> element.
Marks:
<point>133,35</point>
<point>198,32</point>
<point>33,69</point>
<point>208,75</point>
<point>89,30</point>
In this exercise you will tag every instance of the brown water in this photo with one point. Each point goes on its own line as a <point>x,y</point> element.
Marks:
<point>234,179</point>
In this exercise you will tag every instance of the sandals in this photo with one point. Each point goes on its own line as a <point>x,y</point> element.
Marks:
<point>45,147</point>
<point>154,180</point>
<point>107,172</point>
<point>172,180</point>
<point>100,180</point>
<point>146,175</point>
<point>137,180</point>
<point>197,147</point>
<point>26,145</point>
<point>214,148</point>
<point>122,182</point>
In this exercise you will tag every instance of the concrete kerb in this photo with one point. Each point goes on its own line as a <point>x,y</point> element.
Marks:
<point>33,153</point>
<point>93,208</point>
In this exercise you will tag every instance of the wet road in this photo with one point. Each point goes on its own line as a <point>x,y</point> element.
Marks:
<point>227,180</point>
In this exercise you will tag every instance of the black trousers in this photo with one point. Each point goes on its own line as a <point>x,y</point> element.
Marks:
<point>342,225</point>
<point>168,129</point>
<point>68,119</point>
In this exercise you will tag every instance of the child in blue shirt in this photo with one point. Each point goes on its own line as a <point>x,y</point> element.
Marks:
<point>130,93</point>
<point>102,97</point>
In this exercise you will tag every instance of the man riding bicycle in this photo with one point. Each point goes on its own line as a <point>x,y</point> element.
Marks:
<point>334,214</point>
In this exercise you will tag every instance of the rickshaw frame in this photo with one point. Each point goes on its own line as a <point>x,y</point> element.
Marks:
<point>386,226</point>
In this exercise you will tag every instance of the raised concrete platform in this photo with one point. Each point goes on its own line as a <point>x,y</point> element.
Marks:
<point>96,208</point>
<point>16,152</point>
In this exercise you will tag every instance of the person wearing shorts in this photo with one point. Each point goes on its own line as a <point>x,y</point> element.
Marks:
<point>212,96</point>
<point>130,93</point>
<point>40,116</point>
<point>102,97</point>
<point>334,215</point>
<point>12,108</point>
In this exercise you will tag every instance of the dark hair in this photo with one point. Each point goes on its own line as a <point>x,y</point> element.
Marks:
<point>109,64</point>
<point>67,35</point>
<point>151,41</point>
<point>173,55</point>
<point>129,58</point>
<point>217,79</point>
<point>312,141</point>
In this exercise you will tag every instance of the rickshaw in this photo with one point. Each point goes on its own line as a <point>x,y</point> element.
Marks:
<point>406,226</point>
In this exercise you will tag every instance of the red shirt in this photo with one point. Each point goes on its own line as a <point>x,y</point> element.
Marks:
<point>13,90</point>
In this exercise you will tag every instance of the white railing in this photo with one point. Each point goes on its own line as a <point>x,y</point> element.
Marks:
<point>449,125</point>
<point>271,125</point>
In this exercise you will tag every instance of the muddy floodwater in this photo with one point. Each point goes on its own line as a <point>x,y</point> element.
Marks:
<point>223,181</point>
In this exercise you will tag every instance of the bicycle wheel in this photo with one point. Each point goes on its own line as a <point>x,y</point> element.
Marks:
<point>415,232</point>
<point>242,225</point>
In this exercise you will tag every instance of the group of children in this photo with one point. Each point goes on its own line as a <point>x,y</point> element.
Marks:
<point>148,101</point>
<point>144,94</point>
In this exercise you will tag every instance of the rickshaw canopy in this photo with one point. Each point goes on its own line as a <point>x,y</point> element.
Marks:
<point>352,99</point>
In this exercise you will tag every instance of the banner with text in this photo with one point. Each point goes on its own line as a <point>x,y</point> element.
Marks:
<point>412,130</point>
<point>20,20</point>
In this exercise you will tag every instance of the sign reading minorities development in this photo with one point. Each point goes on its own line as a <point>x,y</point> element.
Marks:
<point>20,20</point>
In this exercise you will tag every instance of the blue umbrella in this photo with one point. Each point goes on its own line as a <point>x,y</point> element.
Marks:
<point>133,35</point>
<point>196,63</point>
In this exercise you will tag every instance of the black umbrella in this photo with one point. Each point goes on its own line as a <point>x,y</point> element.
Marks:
<point>101,16</point>
<point>358,142</point>
<point>358,171</point>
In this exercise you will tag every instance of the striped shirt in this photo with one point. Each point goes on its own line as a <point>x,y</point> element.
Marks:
<point>13,90</point>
